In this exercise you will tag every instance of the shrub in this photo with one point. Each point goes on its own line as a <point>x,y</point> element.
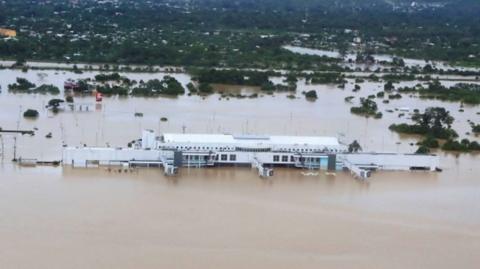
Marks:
<point>422,150</point>
<point>430,142</point>
<point>311,95</point>
<point>31,113</point>
<point>205,88</point>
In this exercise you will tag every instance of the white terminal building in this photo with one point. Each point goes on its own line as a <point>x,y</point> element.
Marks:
<point>173,151</point>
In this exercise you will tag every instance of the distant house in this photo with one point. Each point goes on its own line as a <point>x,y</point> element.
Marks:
<point>8,32</point>
<point>357,40</point>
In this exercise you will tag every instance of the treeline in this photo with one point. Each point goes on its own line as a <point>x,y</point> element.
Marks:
<point>229,33</point>
<point>167,86</point>
<point>22,85</point>
<point>233,77</point>
<point>111,84</point>
<point>461,92</point>
<point>326,78</point>
<point>435,127</point>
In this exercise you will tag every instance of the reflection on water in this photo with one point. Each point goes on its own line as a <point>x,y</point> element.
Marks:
<point>228,217</point>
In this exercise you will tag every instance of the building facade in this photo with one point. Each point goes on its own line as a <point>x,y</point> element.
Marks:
<point>173,151</point>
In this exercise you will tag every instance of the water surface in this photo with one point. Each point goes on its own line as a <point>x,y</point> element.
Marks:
<point>228,217</point>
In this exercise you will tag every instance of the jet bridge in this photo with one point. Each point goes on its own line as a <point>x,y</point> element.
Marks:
<point>263,172</point>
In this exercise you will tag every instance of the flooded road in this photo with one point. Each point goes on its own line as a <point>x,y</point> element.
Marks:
<point>228,217</point>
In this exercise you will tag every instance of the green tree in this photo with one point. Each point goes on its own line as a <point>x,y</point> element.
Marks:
<point>354,147</point>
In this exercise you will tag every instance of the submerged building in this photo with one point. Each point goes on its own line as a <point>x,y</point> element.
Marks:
<point>173,151</point>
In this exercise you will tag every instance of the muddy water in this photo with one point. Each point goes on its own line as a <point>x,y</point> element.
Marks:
<point>204,218</point>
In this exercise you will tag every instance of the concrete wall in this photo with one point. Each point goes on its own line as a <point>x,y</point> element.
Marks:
<point>386,161</point>
<point>80,157</point>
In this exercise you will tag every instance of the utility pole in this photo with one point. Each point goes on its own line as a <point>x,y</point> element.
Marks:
<point>14,148</point>
<point>3,147</point>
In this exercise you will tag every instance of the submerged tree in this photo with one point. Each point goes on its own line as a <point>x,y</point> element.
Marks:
<point>31,113</point>
<point>354,147</point>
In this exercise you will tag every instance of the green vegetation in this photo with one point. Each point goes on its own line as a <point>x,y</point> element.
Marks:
<point>326,78</point>
<point>349,99</point>
<point>240,33</point>
<point>388,87</point>
<point>270,87</point>
<point>233,77</point>
<point>367,108</point>
<point>435,122</point>
<point>167,86</point>
<point>54,104</point>
<point>205,88</point>
<point>464,145</point>
<point>113,90</point>
<point>476,128</point>
<point>311,95</point>
<point>47,89</point>
<point>395,96</point>
<point>108,77</point>
<point>398,77</point>
<point>192,88</point>
<point>31,113</point>
<point>354,147</point>
<point>465,93</point>
<point>22,85</point>
<point>422,150</point>
<point>462,92</point>
<point>291,78</point>
<point>430,142</point>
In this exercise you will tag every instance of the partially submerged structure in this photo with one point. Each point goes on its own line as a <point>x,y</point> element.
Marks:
<point>173,151</point>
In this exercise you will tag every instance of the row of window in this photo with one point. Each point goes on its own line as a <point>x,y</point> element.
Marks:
<point>233,158</point>
<point>224,157</point>
<point>276,158</point>
<point>202,148</point>
<point>250,149</point>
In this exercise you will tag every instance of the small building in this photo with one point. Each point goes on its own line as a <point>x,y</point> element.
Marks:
<point>8,32</point>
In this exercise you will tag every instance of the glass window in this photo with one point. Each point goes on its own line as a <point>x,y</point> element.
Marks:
<point>224,157</point>
<point>285,158</point>
<point>233,157</point>
<point>276,158</point>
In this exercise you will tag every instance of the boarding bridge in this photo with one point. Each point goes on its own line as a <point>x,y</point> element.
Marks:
<point>83,157</point>
<point>357,171</point>
<point>362,164</point>
<point>262,171</point>
<point>168,168</point>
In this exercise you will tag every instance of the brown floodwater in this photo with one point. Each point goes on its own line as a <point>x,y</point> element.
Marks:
<point>53,217</point>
